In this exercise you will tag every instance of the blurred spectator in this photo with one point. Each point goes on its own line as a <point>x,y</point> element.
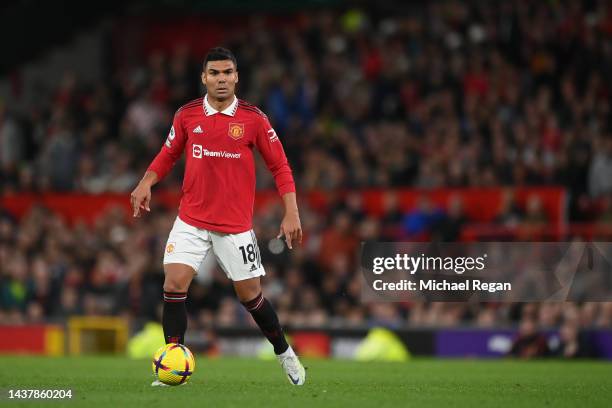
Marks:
<point>600,182</point>
<point>572,343</point>
<point>448,227</point>
<point>606,210</point>
<point>534,213</point>
<point>12,147</point>
<point>421,219</point>
<point>529,342</point>
<point>338,242</point>
<point>510,214</point>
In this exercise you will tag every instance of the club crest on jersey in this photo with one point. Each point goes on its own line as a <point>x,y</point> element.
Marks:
<point>170,247</point>
<point>236,130</point>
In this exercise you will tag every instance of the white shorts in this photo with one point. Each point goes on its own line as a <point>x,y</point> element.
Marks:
<point>237,254</point>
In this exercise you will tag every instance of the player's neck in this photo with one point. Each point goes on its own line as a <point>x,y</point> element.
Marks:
<point>220,105</point>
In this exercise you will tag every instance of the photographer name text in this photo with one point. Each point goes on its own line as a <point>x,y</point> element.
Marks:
<point>442,285</point>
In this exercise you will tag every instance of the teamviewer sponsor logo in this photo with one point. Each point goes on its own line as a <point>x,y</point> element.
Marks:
<point>198,152</point>
<point>222,154</point>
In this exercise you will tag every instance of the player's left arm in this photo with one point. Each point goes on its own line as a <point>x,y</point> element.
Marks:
<point>272,151</point>
<point>290,227</point>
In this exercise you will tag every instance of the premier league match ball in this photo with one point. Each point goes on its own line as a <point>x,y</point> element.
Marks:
<point>173,364</point>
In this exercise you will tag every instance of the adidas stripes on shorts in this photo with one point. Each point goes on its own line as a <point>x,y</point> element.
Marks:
<point>237,254</point>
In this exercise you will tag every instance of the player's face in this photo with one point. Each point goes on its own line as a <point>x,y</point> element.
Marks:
<point>220,79</point>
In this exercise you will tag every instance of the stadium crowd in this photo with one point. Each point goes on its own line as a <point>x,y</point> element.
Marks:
<point>52,270</point>
<point>451,95</point>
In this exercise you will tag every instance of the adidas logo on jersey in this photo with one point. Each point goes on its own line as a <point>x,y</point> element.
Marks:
<point>198,129</point>
<point>253,268</point>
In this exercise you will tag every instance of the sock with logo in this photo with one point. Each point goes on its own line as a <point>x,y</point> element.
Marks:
<point>174,318</point>
<point>264,315</point>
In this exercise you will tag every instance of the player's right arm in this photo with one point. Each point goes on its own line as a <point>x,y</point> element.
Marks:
<point>160,166</point>
<point>141,196</point>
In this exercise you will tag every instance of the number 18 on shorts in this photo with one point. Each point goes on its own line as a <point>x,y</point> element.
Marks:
<point>237,254</point>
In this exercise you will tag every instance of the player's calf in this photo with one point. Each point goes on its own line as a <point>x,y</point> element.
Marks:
<point>264,315</point>
<point>174,317</point>
<point>266,318</point>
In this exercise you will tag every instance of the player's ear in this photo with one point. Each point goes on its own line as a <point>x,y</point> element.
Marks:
<point>236,76</point>
<point>204,78</point>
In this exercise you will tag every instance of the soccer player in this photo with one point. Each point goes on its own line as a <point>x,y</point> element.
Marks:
<point>217,133</point>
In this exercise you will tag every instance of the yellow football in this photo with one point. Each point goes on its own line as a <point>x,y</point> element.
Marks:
<point>173,364</point>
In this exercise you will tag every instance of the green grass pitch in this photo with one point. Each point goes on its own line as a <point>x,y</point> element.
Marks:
<point>118,382</point>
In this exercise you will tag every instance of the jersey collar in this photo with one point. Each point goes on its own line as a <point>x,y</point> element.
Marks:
<point>229,111</point>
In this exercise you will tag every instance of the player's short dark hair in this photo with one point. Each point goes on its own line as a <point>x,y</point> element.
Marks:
<point>219,54</point>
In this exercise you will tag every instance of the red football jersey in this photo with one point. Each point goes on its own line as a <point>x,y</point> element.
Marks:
<point>219,180</point>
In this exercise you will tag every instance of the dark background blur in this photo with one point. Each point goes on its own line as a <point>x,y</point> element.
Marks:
<point>442,120</point>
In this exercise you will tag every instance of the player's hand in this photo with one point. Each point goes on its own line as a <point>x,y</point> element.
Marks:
<point>291,228</point>
<point>141,198</point>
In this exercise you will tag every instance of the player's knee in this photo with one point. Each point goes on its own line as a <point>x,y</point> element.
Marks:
<point>247,296</point>
<point>177,278</point>
<point>174,286</point>
<point>247,290</point>
<point>176,283</point>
